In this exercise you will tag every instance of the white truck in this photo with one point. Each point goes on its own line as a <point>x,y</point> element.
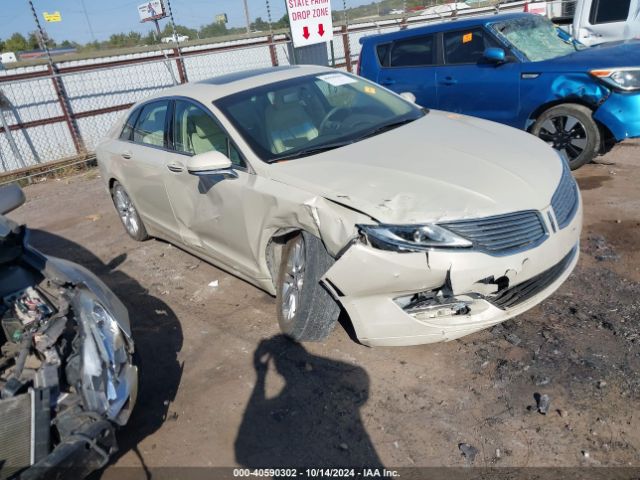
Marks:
<point>593,22</point>
<point>175,38</point>
<point>599,21</point>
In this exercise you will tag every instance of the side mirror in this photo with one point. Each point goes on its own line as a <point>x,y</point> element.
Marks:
<point>209,163</point>
<point>495,55</point>
<point>11,197</point>
<point>410,97</point>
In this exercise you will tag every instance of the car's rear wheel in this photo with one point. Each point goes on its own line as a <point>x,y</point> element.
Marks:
<point>570,129</point>
<point>128,213</point>
<point>306,311</point>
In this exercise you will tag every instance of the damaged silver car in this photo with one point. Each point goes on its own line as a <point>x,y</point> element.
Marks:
<point>330,191</point>
<point>67,376</point>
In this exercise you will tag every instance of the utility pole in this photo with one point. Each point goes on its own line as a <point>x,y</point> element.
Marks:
<point>59,87</point>
<point>86,15</point>
<point>246,15</point>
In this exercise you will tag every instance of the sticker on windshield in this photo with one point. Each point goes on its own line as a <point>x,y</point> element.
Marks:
<point>467,37</point>
<point>337,79</point>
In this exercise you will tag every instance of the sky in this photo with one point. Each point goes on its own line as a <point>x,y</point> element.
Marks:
<point>114,16</point>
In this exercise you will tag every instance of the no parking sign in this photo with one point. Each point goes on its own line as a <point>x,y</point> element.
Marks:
<point>310,21</point>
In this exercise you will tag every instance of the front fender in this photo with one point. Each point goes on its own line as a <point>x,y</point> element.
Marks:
<point>548,89</point>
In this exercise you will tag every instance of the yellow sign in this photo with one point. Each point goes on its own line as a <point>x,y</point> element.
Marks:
<point>467,37</point>
<point>52,17</point>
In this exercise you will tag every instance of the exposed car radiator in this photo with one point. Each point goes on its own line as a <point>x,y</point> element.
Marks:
<point>16,428</point>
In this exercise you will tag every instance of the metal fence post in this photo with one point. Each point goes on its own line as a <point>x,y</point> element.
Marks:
<point>347,47</point>
<point>65,105</point>
<point>182,73</point>
<point>272,51</point>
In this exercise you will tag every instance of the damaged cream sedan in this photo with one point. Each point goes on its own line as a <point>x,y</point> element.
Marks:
<point>327,190</point>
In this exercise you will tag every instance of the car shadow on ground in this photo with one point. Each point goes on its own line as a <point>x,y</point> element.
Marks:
<point>156,331</point>
<point>313,421</point>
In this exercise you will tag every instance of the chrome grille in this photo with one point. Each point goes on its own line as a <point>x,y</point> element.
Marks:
<point>513,296</point>
<point>502,234</point>
<point>565,200</point>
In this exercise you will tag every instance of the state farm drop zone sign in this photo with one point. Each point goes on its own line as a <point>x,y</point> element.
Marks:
<point>310,21</point>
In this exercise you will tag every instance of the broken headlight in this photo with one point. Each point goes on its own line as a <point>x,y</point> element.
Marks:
<point>412,238</point>
<point>622,78</point>
<point>105,357</point>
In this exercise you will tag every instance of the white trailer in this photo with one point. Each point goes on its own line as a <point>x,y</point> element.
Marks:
<point>8,57</point>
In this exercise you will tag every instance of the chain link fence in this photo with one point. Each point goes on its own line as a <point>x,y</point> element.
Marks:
<point>54,117</point>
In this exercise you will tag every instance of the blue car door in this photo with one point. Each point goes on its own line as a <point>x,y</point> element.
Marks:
<point>407,65</point>
<point>468,83</point>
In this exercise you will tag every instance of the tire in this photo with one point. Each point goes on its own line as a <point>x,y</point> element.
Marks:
<point>306,311</point>
<point>128,214</point>
<point>570,129</point>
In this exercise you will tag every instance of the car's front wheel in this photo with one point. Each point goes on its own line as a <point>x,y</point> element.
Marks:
<point>306,311</point>
<point>128,214</point>
<point>571,130</point>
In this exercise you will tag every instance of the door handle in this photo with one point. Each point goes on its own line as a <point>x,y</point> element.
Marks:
<point>388,81</point>
<point>175,167</point>
<point>449,81</point>
<point>126,155</point>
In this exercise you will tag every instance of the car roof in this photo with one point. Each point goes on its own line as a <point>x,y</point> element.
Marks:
<point>443,26</point>
<point>208,90</point>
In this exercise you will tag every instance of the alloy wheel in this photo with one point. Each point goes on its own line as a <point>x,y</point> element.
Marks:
<point>566,134</point>
<point>293,280</point>
<point>127,212</point>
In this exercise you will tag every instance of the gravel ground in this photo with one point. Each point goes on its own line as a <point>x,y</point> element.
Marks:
<point>207,399</point>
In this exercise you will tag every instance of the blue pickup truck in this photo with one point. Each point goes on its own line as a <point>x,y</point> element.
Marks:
<point>520,70</point>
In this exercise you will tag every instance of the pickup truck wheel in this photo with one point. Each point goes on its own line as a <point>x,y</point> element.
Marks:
<point>570,129</point>
<point>306,312</point>
<point>128,213</point>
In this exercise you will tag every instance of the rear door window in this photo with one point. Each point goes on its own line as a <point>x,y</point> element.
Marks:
<point>383,54</point>
<point>127,130</point>
<point>413,52</point>
<point>609,11</point>
<point>466,46</point>
<point>150,127</point>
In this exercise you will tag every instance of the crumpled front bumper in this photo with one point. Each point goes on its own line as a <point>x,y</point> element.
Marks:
<point>366,281</point>
<point>620,113</point>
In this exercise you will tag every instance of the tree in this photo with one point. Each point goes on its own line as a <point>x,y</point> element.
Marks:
<point>180,30</point>
<point>260,25</point>
<point>119,40</point>
<point>282,23</point>
<point>150,38</point>
<point>213,30</point>
<point>69,44</point>
<point>16,43</point>
<point>33,42</point>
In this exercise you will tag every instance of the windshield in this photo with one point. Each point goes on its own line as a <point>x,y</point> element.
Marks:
<point>536,37</point>
<point>309,114</point>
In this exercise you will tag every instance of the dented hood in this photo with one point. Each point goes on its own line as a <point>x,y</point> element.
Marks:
<point>441,167</point>
<point>606,55</point>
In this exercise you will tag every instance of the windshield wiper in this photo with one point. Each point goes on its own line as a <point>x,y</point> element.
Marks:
<point>385,128</point>
<point>312,151</point>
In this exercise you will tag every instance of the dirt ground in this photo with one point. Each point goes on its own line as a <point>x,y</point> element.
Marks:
<point>206,401</point>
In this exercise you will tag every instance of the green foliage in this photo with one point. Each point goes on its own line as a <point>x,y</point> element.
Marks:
<point>119,40</point>
<point>213,30</point>
<point>16,43</point>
